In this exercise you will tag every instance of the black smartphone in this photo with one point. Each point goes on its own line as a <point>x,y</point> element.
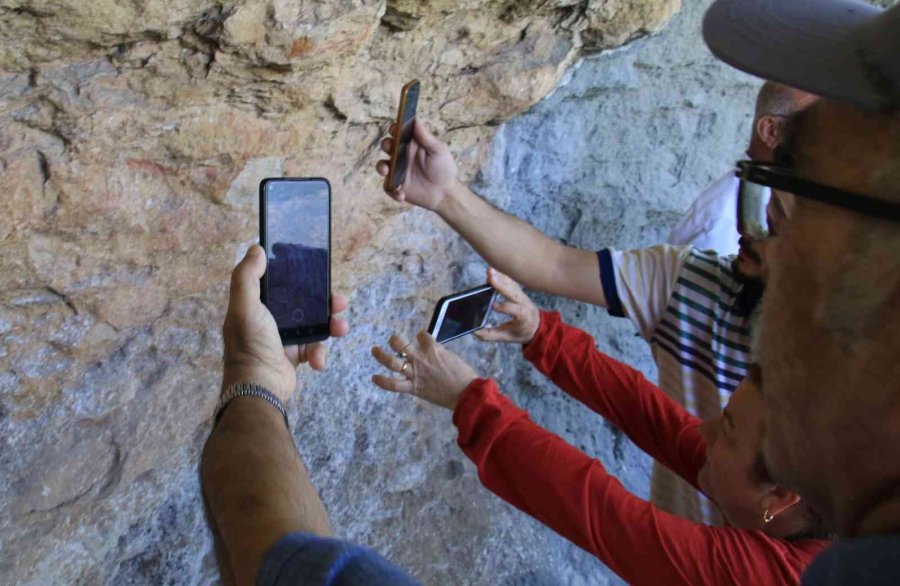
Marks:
<point>406,118</point>
<point>462,313</point>
<point>295,231</point>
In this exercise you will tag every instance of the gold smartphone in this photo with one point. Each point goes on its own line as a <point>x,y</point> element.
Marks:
<point>406,117</point>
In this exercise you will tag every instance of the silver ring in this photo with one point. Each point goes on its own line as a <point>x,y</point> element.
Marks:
<point>402,353</point>
<point>405,366</point>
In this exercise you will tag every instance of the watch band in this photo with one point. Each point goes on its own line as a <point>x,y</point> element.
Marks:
<point>248,390</point>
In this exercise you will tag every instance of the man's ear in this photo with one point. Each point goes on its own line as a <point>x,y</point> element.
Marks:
<point>778,500</point>
<point>768,128</point>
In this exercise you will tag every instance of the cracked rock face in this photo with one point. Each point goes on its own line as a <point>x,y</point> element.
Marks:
<point>132,138</point>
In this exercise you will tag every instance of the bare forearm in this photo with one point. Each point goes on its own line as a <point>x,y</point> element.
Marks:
<point>256,485</point>
<point>492,232</point>
<point>226,573</point>
<point>521,251</point>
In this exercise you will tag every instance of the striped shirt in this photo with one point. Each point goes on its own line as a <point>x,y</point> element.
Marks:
<point>684,302</point>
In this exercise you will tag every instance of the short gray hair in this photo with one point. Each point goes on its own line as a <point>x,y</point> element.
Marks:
<point>775,99</point>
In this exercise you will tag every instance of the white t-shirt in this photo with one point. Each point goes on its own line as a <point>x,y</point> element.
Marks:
<point>683,301</point>
<point>711,221</point>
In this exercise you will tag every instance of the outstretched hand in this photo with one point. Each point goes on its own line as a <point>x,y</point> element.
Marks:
<point>431,171</point>
<point>425,369</point>
<point>253,349</point>
<point>526,317</point>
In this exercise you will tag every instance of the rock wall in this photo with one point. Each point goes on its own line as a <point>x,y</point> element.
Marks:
<point>132,137</point>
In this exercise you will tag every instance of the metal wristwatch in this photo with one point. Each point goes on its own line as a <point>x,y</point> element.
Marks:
<point>248,390</point>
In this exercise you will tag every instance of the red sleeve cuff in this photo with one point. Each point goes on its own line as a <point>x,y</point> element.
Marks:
<point>471,398</point>
<point>537,348</point>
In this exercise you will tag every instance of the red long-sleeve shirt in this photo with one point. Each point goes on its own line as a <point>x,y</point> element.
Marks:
<point>573,494</point>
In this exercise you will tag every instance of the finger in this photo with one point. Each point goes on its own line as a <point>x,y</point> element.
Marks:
<point>400,344</point>
<point>398,194</point>
<point>317,356</point>
<point>426,341</point>
<point>338,327</point>
<point>510,308</point>
<point>387,144</point>
<point>428,141</point>
<point>293,354</point>
<point>382,168</point>
<point>245,278</point>
<point>339,303</point>
<point>395,385</point>
<point>392,129</point>
<point>387,360</point>
<point>297,354</point>
<point>506,286</point>
<point>498,334</point>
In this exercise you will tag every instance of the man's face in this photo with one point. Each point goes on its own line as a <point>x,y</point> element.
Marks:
<point>750,263</point>
<point>813,411</point>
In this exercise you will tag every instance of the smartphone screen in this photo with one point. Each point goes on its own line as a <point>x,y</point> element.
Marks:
<point>406,119</point>
<point>295,226</point>
<point>461,314</point>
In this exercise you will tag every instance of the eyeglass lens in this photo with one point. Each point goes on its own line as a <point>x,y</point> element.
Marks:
<point>753,202</point>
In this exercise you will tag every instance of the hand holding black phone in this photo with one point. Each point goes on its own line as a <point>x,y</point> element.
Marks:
<point>295,231</point>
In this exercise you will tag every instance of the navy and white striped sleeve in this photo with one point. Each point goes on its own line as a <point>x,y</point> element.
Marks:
<point>638,283</point>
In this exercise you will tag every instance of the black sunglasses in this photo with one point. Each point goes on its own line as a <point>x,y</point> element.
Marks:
<point>754,195</point>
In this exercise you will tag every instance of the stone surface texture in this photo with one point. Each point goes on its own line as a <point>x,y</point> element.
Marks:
<point>132,138</point>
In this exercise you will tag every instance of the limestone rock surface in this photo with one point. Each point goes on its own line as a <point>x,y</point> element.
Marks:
<point>132,138</point>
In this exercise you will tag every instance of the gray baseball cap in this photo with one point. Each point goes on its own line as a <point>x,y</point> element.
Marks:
<point>845,50</point>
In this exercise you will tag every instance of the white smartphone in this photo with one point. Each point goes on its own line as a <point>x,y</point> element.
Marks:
<point>462,313</point>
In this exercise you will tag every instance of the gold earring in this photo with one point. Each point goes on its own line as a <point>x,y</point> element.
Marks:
<point>767,518</point>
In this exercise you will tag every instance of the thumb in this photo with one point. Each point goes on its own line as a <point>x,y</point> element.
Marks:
<point>245,277</point>
<point>505,285</point>
<point>428,141</point>
<point>497,334</point>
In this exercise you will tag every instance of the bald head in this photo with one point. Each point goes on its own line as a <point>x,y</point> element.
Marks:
<point>777,99</point>
<point>775,103</point>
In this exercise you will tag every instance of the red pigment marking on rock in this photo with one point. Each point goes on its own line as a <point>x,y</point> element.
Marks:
<point>150,167</point>
<point>355,242</point>
<point>301,47</point>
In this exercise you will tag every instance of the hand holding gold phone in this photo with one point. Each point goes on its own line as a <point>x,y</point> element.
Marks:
<point>406,117</point>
